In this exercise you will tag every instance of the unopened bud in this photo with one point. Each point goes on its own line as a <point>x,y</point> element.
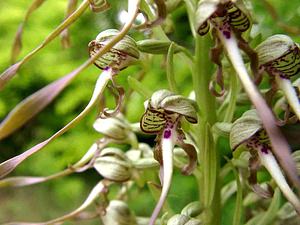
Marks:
<point>113,165</point>
<point>180,219</point>
<point>155,46</point>
<point>118,213</point>
<point>113,127</point>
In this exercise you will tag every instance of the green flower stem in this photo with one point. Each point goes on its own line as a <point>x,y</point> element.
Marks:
<point>279,144</point>
<point>160,34</point>
<point>208,155</point>
<point>170,69</point>
<point>190,7</point>
<point>231,100</point>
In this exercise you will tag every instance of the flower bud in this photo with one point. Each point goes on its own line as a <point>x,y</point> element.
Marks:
<point>99,5</point>
<point>193,209</point>
<point>296,158</point>
<point>153,46</point>
<point>113,165</point>
<point>118,213</point>
<point>180,219</point>
<point>121,55</point>
<point>113,127</point>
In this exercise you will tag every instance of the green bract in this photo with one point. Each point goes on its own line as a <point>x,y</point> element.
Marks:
<point>113,165</point>
<point>99,5</point>
<point>153,46</point>
<point>113,127</point>
<point>124,53</point>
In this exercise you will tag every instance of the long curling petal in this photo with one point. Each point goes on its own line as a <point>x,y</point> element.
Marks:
<point>289,92</point>
<point>167,145</point>
<point>270,163</point>
<point>279,144</point>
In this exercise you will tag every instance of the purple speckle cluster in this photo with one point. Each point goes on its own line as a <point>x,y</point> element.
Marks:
<point>226,34</point>
<point>264,149</point>
<point>167,133</point>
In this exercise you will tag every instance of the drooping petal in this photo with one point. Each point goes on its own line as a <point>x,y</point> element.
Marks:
<point>94,194</point>
<point>32,105</point>
<point>270,163</point>
<point>167,146</point>
<point>289,92</point>
<point>9,165</point>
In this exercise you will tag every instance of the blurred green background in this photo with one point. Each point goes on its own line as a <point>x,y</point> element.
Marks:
<point>49,200</point>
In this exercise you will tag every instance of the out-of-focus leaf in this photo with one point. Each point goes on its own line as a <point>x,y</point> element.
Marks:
<point>12,70</point>
<point>7,166</point>
<point>17,46</point>
<point>139,87</point>
<point>65,37</point>
<point>32,105</point>
<point>94,194</point>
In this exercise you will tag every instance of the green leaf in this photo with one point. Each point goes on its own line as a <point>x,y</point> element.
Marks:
<point>139,87</point>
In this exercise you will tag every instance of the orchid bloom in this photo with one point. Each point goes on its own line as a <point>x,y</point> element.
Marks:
<point>279,56</point>
<point>248,132</point>
<point>162,117</point>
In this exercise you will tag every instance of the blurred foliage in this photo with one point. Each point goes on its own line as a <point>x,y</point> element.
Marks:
<point>53,198</point>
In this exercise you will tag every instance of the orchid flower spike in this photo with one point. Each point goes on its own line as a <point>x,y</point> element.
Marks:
<point>120,56</point>
<point>279,56</point>
<point>162,117</point>
<point>248,132</point>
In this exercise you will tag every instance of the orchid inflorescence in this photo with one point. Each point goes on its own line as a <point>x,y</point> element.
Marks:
<point>188,130</point>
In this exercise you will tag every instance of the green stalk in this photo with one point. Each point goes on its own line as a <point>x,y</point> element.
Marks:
<point>208,155</point>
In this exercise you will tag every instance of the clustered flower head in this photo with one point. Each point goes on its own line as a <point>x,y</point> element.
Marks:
<point>122,161</point>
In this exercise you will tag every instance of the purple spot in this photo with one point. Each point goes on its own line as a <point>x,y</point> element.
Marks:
<point>264,150</point>
<point>226,33</point>
<point>167,133</point>
<point>106,68</point>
